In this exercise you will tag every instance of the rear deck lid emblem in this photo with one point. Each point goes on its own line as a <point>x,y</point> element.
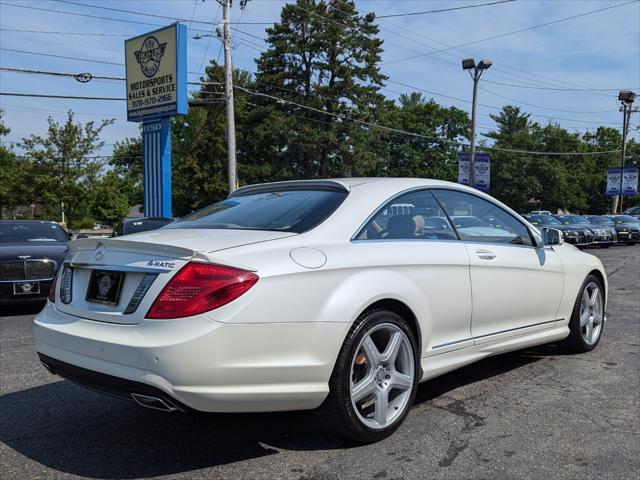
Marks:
<point>100,252</point>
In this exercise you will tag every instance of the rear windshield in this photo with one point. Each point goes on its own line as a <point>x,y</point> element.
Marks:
<point>286,211</point>
<point>32,232</point>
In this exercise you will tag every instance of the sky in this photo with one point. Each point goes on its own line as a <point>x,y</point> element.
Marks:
<point>595,51</point>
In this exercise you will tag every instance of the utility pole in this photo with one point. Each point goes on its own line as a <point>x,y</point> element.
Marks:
<point>475,71</point>
<point>228,89</point>
<point>627,98</point>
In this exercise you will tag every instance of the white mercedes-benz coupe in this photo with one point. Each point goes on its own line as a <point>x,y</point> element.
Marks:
<point>340,294</point>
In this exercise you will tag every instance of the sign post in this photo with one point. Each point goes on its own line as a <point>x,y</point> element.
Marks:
<point>156,65</point>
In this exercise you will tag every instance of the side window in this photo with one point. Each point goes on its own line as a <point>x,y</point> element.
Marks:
<point>415,215</point>
<point>479,220</point>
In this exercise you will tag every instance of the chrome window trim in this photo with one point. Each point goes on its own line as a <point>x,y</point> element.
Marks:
<point>354,237</point>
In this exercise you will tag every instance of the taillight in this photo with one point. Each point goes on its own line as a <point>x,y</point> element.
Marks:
<point>52,289</point>
<point>198,288</point>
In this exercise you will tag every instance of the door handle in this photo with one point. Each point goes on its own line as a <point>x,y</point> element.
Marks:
<point>485,254</point>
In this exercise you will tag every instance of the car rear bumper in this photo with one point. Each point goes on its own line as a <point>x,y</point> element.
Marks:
<point>195,363</point>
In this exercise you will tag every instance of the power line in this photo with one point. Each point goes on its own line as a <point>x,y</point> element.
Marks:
<point>154,15</point>
<point>544,108</point>
<point>501,35</point>
<point>60,56</point>
<point>444,9</point>
<point>96,34</point>
<point>70,97</point>
<point>494,107</point>
<point>560,89</point>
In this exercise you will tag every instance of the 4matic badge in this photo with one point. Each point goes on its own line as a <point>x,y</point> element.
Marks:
<point>157,263</point>
<point>149,55</point>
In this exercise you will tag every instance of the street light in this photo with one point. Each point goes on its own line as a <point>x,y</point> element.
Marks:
<point>626,97</point>
<point>475,71</point>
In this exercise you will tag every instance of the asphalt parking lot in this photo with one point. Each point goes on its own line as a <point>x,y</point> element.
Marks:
<point>539,413</point>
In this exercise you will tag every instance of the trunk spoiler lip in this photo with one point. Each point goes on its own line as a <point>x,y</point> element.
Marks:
<point>134,246</point>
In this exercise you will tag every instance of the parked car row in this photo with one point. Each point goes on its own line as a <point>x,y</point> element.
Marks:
<point>591,230</point>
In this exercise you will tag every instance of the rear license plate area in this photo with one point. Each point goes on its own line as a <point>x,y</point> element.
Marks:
<point>104,287</point>
<point>26,288</point>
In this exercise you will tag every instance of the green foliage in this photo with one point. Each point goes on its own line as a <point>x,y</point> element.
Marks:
<point>328,65</point>
<point>110,199</point>
<point>127,164</point>
<point>63,171</point>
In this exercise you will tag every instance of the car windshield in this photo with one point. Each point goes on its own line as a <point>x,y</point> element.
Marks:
<point>31,232</point>
<point>573,219</point>
<point>599,220</point>
<point>544,220</point>
<point>625,219</point>
<point>284,210</point>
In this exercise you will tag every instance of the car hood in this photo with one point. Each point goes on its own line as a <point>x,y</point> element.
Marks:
<point>202,240</point>
<point>34,250</point>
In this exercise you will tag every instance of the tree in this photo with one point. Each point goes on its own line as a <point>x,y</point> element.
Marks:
<point>323,55</point>
<point>127,162</point>
<point>64,171</point>
<point>110,200</point>
<point>9,172</point>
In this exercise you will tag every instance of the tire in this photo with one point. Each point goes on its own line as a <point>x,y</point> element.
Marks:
<point>357,372</point>
<point>587,319</point>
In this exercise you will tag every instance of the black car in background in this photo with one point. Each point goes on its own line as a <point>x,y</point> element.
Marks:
<point>30,253</point>
<point>574,234</point>
<point>628,228</point>
<point>603,222</point>
<point>581,226</point>
<point>137,225</point>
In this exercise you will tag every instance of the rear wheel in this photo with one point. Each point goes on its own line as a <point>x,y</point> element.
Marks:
<point>375,378</point>
<point>587,320</point>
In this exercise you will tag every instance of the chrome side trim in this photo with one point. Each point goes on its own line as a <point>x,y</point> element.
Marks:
<point>442,345</point>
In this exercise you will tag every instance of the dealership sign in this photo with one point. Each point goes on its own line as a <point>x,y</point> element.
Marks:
<point>629,180</point>
<point>156,65</point>
<point>482,169</point>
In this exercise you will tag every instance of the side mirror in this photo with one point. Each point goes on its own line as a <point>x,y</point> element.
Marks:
<point>552,236</point>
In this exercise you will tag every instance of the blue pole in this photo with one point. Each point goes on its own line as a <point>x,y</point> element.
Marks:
<point>157,167</point>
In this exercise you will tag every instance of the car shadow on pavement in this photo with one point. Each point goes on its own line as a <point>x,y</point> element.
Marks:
<point>77,431</point>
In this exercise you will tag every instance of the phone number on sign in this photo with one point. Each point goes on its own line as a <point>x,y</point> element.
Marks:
<point>145,102</point>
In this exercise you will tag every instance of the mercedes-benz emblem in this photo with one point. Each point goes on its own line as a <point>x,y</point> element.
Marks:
<point>99,252</point>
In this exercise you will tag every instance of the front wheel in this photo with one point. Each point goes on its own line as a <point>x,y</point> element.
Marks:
<point>587,319</point>
<point>374,381</point>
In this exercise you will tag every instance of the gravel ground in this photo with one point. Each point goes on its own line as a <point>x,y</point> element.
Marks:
<point>538,413</point>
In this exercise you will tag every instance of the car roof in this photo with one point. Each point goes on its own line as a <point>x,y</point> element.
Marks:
<point>346,184</point>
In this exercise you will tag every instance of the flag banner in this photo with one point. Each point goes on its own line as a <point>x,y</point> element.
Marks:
<point>630,180</point>
<point>613,181</point>
<point>482,170</point>
<point>463,168</point>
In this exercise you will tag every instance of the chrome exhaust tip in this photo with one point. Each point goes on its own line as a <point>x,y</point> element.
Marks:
<point>153,402</point>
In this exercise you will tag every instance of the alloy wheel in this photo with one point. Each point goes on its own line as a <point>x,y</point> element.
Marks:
<point>382,376</point>
<point>591,313</point>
